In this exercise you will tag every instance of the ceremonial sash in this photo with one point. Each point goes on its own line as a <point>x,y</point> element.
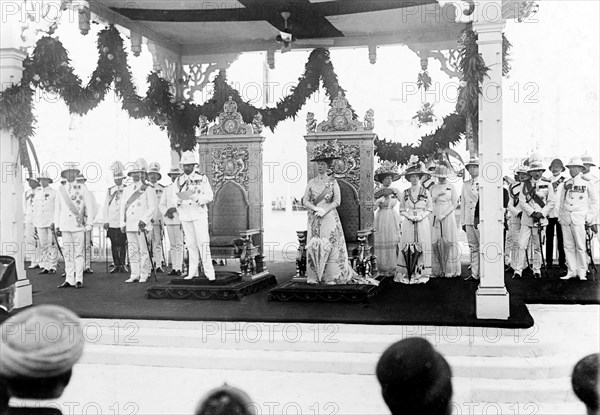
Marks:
<point>515,196</point>
<point>557,182</point>
<point>80,216</point>
<point>112,197</point>
<point>135,196</point>
<point>322,195</point>
<point>530,191</point>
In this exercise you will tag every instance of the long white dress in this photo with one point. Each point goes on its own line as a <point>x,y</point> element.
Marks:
<point>415,234</point>
<point>445,200</point>
<point>387,232</point>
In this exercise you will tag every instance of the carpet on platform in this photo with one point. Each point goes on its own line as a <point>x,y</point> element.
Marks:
<point>552,290</point>
<point>440,302</point>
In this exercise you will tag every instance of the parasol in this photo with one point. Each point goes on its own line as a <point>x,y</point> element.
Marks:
<point>384,192</point>
<point>441,248</point>
<point>317,253</point>
<point>411,252</point>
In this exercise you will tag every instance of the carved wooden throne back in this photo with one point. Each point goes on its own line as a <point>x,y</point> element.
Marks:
<point>349,212</point>
<point>229,214</point>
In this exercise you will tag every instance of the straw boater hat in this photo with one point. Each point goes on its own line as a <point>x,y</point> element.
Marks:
<point>587,159</point>
<point>69,167</point>
<point>139,166</point>
<point>188,157</point>
<point>575,162</point>
<point>414,167</point>
<point>327,151</point>
<point>387,169</point>
<point>557,162</point>
<point>154,167</point>
<point>118,170</point>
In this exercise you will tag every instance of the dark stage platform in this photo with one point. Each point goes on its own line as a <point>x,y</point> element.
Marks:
<point>440,302</point>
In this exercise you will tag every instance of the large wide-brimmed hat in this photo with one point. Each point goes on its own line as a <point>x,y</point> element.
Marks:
<point>139,166</point>
<point>68,168</point>
<point>474,161</point>
<point>557,163</point>
<point>387,168</point>
<point>575,162</point>
<point>414,167</point>
<point>587,159</point>
<point>441,170</point>
<point>188,157</point>
<point>118,170</point>
<point>154,167</point>
<point>328,151</point>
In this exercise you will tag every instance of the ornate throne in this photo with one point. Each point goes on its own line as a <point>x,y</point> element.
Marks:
<point>354,174</point>
<point>231,157</point>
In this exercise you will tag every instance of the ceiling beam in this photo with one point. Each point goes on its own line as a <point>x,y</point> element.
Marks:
<point>136,27</point>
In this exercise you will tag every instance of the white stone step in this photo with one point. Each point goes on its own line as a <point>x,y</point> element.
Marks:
<point>451,341</point>
<point>543,367</point>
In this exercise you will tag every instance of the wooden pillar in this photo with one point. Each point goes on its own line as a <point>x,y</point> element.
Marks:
<point>492,298</point>
<point>12,241</point>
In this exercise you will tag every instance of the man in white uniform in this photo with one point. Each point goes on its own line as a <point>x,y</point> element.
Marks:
<point>515,213</point>
<point>157,230</point>
<point>137,210</point>
<point>192,193</point>
<point>87,252</point>
<point>44,203</point>
<point>592,175</point>
<point>537,201</point>
<point>172,223</point>
<point>71,220</point>
<point>557,180</point>
<point>469,200</point>
<point>33,249</point>
<point>578,209</point>
<point>111,219</point>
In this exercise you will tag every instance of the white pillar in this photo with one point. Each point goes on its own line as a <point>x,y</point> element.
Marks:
<point>492,298</point>
<point>12,240</point>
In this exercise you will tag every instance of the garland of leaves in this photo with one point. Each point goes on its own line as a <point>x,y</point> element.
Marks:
<point>48,67</point>
<point>454,126</point>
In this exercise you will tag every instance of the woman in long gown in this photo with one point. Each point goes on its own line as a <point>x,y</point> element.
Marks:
<point>387,219</point>
<point>415,240</point>
<point>445,201</point>
<point>326,253</point>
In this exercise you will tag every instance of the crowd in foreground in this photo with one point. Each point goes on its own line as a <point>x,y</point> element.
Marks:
<point>414,377</point>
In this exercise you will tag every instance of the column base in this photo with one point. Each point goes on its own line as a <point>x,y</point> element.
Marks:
<point>492,303</point>
<point>23,294</point>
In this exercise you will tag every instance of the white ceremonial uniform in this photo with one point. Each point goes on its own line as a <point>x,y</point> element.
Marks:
<point>157,229</point>
<point>595,182</point>
<point>139,204</point>
<point>111,207</point>
<point>469,199</point>
<point>529,229</point>
<point>193,214</point>
<point>87,253</point>
<point>44,203</point>
<point>514,222</point>
<point>578,207</point>
<point>33,249</point>
<point>70,216</point>
<point>174,231</point>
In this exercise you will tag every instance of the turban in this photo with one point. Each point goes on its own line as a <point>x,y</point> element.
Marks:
<point>40,342</point>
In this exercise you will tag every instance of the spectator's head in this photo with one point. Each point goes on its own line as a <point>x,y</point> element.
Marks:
<point>585,382</point>
<point>40,345</point>
<point>415,379</point>
<point>226,400</point>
